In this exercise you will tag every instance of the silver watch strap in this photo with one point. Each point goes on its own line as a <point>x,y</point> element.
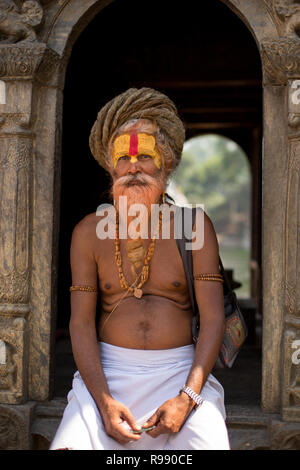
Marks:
<point>193,395</point>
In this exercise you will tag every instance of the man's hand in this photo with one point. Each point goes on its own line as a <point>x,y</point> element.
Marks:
<point>114,414</point>
<point>170,416</point>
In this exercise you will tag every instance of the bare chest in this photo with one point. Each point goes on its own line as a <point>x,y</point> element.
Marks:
<point>166,275</point>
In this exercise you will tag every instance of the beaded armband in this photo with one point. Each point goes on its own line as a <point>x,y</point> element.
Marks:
<point>84,288</point>
<point>209,277</point>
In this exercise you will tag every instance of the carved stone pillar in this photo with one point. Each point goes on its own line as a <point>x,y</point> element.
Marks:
<point>291,376</point>
<point>281,59</point>
<point>22,68</point>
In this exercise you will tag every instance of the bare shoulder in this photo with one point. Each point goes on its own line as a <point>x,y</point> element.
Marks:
<point>205,223</point>
<point>87,222</point>
<point>209,246</point>
<point>84,231</point>
<point>202,221</point>
<point>208,225</point>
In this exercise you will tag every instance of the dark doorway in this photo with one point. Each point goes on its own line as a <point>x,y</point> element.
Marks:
<point>206,61</point>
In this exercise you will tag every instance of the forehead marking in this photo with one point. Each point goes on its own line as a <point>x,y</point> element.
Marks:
<point>133,145</point>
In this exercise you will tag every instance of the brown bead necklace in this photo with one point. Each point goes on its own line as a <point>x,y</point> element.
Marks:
<point>135,289</point>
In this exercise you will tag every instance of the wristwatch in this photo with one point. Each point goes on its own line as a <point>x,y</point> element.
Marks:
<point>193,395</point>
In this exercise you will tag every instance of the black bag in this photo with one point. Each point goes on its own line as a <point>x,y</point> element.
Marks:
<point>236,329</point>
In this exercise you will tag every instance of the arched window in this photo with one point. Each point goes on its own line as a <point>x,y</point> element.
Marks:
<point>215,172</point>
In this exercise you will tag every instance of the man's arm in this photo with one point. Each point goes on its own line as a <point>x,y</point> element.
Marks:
<point>210,300</point>
<point>84,335</point>
<point>209,295</point>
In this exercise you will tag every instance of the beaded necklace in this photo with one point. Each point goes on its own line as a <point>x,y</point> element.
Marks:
<point>135,289</point>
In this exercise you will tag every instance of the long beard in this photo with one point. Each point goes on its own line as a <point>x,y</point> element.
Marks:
<point>146,190</point>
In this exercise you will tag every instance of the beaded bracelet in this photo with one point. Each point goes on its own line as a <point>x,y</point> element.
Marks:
<point>209,277</point>
<point>84,288</point>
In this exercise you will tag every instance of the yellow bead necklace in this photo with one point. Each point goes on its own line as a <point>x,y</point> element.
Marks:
<point>135,289</point>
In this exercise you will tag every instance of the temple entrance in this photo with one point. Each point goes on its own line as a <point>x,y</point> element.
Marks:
<point>216,62</point>
<point>216,85</point>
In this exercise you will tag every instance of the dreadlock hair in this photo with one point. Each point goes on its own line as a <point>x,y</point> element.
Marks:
<point>135,104</point>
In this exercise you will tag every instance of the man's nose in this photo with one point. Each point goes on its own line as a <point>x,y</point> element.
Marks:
<point>133,168</point>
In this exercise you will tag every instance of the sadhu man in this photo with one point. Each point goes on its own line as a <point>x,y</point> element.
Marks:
<point>141,381</point>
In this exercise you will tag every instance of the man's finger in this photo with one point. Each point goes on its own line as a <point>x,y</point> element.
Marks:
<point>124,432</point>
<point>127,416</point>
<point>159,429</point>
<point>152,421</point>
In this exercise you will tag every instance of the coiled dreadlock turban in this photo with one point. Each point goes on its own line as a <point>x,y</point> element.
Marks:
<point>134,104</point>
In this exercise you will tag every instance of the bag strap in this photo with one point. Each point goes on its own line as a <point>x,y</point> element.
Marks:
<point>227,282</point>
<point>187,259</point>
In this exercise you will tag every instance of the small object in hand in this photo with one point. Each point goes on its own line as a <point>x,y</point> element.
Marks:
<point>143,430</point>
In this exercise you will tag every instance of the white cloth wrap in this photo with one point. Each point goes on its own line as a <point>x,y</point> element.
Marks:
<point>143,380</point>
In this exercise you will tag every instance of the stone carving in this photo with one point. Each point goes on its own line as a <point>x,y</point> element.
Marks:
<point>18,24</point>
<point>288,441</point>
<point>8,370</point>
<point>294,161</point>
<point>294,120</point>
<point>13,430</point>
<point>281,60</point>
<point>290,377</point>
<point>14,287</point>
<point>18,155</point>
<point>294,107</point>
<point>14,221</point>
<point>12,372</point>
<point>289,12</point>
<point>20,61</point>
<point>286,8</point>
<point>295,386</point>
<point>22,65</point>
<point>28,60</point>
<point>291,374</point>
<point>285,436</point>
<point>292,298</point>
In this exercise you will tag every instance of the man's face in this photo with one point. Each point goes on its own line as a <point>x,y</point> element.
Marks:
<point>138,169</point>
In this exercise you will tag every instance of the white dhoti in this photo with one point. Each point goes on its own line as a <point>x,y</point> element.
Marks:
<point>143,380</point>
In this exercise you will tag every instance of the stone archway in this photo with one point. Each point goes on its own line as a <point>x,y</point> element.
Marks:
<point>33,73</point>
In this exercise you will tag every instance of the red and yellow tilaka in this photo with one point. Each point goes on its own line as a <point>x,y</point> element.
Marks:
<point>134,145</point>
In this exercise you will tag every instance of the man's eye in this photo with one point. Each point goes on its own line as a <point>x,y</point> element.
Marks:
<point>124,157</point>
<point>144,157</point>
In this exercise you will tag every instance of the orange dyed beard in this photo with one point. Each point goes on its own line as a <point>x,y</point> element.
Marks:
<point>147,191</point>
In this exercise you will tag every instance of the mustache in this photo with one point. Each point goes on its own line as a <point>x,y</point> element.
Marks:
<point>143,180</point>
<point>138,187</point>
